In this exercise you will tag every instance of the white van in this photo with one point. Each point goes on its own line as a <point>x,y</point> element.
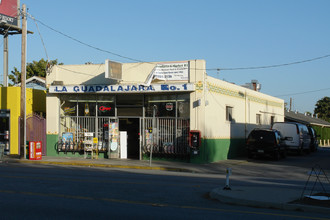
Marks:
<point>300,140</point>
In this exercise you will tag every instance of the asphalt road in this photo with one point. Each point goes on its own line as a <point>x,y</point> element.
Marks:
<point>30,191</point>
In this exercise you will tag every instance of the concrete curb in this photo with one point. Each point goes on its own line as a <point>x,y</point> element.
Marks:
<point>215,194</point>
<point>87,164</point>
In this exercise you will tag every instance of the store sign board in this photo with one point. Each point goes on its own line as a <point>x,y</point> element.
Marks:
<point>122,88</point>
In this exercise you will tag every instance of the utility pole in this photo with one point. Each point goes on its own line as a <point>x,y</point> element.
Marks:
<point>5,59</point>
<point>290,104</point>
<point>23,91</point>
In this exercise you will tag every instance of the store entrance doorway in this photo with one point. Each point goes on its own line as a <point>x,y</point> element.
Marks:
<point>132,127</point>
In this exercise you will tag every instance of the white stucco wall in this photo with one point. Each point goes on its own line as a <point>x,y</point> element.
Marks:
<point>52,112</point>
<point>212,94</point>
<point>94,74</point>
<point>245,103</point>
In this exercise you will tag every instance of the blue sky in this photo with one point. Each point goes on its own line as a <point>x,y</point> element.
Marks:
<point>227,34</point>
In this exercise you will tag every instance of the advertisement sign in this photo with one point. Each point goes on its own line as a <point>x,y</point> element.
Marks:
<point>114,135</point>
<point>69,110</point>
<point>169,106</point>
<point>8,12</point>
<point>169,72</point>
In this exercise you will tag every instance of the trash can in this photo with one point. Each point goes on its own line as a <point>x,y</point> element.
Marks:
<point>2,150</point>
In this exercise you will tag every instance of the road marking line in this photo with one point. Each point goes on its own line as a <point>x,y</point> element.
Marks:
<point>95,181</point>
<point>154,204</point>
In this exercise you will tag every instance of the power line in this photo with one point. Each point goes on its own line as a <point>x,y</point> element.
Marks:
<point>87,74</point>
<point>300,93</point>
<point>88,45</point>
<point>272,66</point>
<point>211,69</point>
<point>42,41</point>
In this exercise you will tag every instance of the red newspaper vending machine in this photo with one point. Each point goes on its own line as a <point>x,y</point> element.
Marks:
<point>38,150</point>
<point>35,150</point>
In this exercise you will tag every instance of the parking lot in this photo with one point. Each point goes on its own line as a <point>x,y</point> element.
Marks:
<point>293,167</point>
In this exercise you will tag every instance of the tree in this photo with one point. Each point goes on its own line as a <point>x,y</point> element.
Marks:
<point>322,108</point>
<point>36,68</point>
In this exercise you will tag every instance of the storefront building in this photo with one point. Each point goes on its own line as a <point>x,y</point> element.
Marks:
<point>132,109</point>
<point>10,112</point>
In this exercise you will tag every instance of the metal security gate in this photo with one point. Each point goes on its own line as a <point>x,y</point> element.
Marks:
<point>79,125</point>
<point>35,130</point>
<point>169,137</point>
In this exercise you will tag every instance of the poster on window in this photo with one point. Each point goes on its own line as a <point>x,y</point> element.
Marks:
<point>114,135</point>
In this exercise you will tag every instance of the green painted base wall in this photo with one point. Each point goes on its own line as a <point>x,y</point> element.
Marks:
<point>213,150</point>
<point>52,149</point>
<point>52,144</point>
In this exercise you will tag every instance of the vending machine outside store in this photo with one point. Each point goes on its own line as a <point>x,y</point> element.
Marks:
<point>35,150</point>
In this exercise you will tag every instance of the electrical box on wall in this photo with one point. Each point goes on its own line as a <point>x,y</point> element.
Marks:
<point>195,139</point>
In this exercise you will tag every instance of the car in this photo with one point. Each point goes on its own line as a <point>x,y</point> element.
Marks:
<point>314,143</point>
<point>300,138</point>
<point>266,142</point>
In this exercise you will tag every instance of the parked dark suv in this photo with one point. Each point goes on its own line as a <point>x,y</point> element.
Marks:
<point>265,142</point>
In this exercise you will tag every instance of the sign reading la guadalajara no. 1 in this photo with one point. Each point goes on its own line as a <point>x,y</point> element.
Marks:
<point>122,88</point>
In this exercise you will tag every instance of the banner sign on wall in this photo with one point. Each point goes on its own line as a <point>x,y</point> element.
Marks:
<point>122,88</point>
<point>169,72</point>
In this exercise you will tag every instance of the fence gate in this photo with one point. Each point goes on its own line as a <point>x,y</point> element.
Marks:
<point>35,130</point>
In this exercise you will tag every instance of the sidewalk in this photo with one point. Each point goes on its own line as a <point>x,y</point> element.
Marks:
<point>264,197</point>
<point>176,166</point>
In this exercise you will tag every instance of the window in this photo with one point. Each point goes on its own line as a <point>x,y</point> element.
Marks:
<point>168,105</point>
<point>183,102</point>
<point>68,105</point>
<point>69,108</point>
<point>229,113</point>
<point>258,119</point>
<point>105,106</point>
<point>87,106</point>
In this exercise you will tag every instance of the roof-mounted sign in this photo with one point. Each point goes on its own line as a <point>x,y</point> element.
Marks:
<point>175,71</point>
<point>113,70</point>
